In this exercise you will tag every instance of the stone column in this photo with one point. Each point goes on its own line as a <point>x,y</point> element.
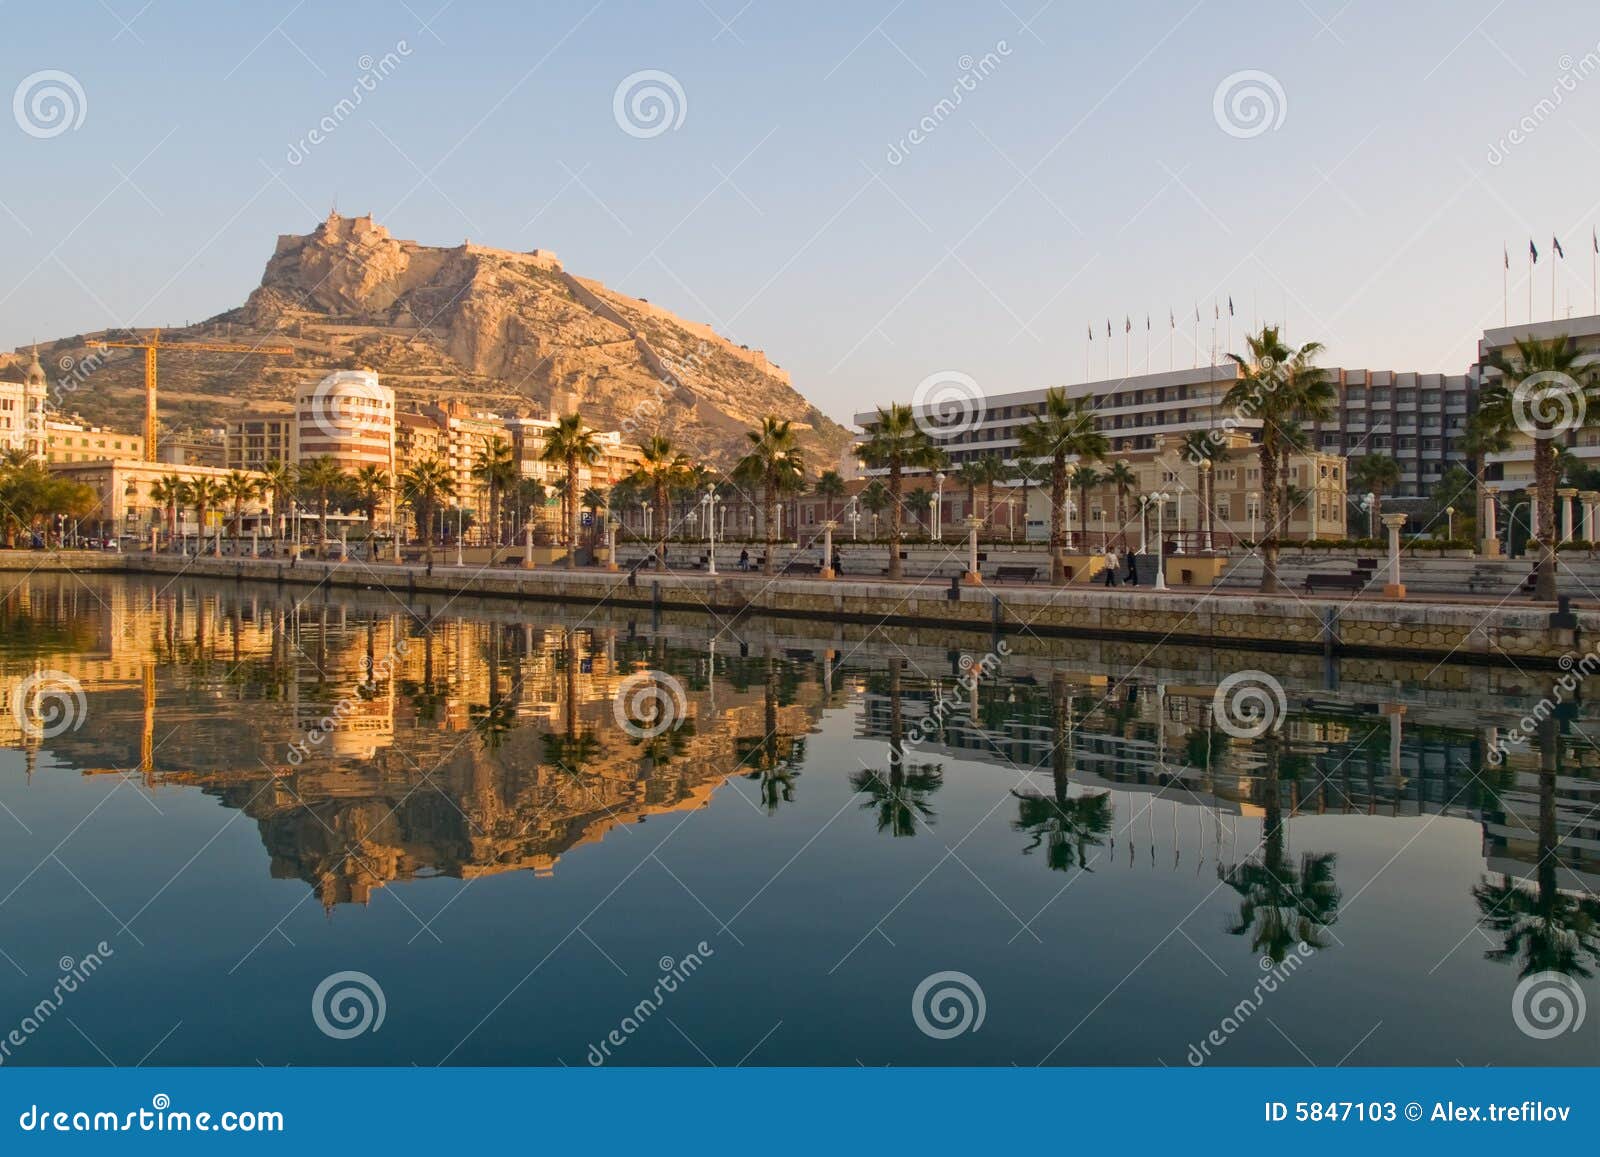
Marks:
<point>1394,588</point>
<point>1488,532</point>
<point>972,577</point>
<point>1566,513</point>
<point>1587,499</point>
<point>611,543</point>
<point>527,544</point>
<point>255,541</point>
<point>827,549</point>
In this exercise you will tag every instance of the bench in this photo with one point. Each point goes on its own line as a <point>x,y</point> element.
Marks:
<point>802,568</point>
<point>1026,574</point>
<point>1350,581</point>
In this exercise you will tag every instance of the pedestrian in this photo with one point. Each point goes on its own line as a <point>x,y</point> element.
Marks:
<point>1133,571</point>
<point>1111,566</point>
<point>838,564</point>
<point>744,560</point>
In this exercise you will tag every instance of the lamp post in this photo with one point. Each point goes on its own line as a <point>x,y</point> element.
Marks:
<point>855,519</point>
<point>1253,500</point>
<point>938,506</point>
<point>1450,522</point>
<point>1370,505</point>
<point>1160,501</point>
<point>711,501</point>
<point>459,560</point>
<point>1144,520</point>
<point>1210,500</point>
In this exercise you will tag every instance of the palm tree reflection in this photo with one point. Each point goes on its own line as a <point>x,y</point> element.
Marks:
<point>900,798</point>
<point>1282,904</point>
<point>1067,826</point>
<point>1541,928</point>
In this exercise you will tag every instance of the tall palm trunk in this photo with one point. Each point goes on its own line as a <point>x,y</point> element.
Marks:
<point>572,512</point>
<point>1272,496</point>
<point>770,528</point>
<point>988,505</point>
<point>895,489</point>
<point>1544,478</point>
<point>1058,509</point>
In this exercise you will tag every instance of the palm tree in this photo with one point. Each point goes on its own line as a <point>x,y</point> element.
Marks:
<point>369,485</point>
<point>1376,474</point>
<point>1281,387</point>
<point>989,470</point>
<point>571,444</point>
<point>1203,451</point>
<point>901,797</point>
<point>897,444</point>
<point>660,469</point>
<point>920,503</point>
<point>321,478</point>
<point>1481,440</point>
<point>237,489</point>
<point>529,496</point>
<point>594,501</point>
<point>170,492</point>
<point>1124,478</point>
<point>1067,827</point>
<point>830,488</point>
<point>206,495</point>
<point>970,475</point>
<point>1085,478</point>
<point>423,487</point>
<point>874,499</point>
<point>1065,429</point>
<point>1545,393</point>
<point>773,463</point>
<point>496,468</point>
<point>279,479</point>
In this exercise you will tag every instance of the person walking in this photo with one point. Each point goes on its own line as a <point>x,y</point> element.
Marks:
<point>744,560</point>
<point>1111,566</point>
<point>1133,570</point>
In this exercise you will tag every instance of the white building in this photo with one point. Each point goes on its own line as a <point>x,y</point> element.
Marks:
<point>24,400</point>
<point>349,417</point>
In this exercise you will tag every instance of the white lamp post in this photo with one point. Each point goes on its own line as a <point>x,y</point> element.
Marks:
<point>711,529</point>
<point>1161,564</point>
<point>1254,501</point>
<point>855,520</point>
<point>1450,522</point>
<point>459,560</point>
<point>1144,521</point>
<point>938,506</point>
<point>1210,499</point>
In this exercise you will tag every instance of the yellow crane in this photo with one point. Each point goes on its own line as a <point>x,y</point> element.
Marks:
<point>152,343</point>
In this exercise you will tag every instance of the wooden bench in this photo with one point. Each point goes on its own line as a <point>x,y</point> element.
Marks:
<point>1350,581</point>
<point>1025,574</point>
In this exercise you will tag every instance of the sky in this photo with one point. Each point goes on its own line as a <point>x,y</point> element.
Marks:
<point>1380,158</point>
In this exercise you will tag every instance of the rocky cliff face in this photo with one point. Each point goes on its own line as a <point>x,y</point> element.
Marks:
<point>498,329</point>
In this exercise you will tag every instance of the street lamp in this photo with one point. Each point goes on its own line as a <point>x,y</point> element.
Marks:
<point>1253,499</point>
<point>938,506</point>
<point>459,560</point>
<point>1161,568</point>
<point>710,502</point>
<point>1144,520</point>
<point>855,519</point>
<point>1450,522</point>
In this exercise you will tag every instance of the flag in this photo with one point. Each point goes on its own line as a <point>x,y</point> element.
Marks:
<point>1595,233</point>
<point>1172,318</point>
<point>1230,305</point>
<point>1533,252</point>
<point>1560,252</point>
<point>1216,312</point>
<point>1127,323</point>
<point>1147,323</point>
<point>1108,327</point>
<point>1506,253</point>
<point>1091,333</point>
<point>1197,313</point>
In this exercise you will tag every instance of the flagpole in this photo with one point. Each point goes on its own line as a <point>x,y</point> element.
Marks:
<point>1555,255</point>
<point>1197,337</point>
<point>1530,283</point>
<point>1505,288</point>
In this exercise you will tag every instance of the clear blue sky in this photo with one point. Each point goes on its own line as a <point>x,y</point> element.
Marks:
<point>1086,176</point>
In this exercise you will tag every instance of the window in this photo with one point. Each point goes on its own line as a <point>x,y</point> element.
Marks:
<point>1380,395</point>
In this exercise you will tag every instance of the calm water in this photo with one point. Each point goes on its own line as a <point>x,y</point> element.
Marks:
<point>516,821</point>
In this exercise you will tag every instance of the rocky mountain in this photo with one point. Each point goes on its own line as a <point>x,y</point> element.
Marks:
<point>501,330</point>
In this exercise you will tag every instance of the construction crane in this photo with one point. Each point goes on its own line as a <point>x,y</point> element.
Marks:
<point>151,344</point>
